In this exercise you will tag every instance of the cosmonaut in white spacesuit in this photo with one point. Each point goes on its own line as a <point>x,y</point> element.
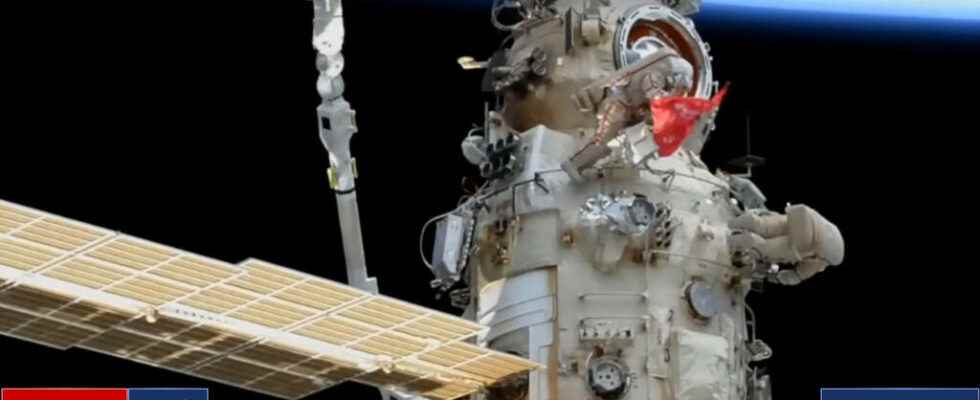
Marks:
<point>654,70</point>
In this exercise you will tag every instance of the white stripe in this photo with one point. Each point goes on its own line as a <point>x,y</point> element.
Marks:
<point>942,9</point>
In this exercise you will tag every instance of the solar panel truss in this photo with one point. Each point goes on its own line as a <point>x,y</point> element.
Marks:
<point>253,325</point>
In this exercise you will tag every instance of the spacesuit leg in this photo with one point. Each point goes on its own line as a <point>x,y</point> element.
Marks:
<point>613,117</point>
<point>761,222</point>
<point>802,237</point>
<point>778,249</point>
<point>813,235</point>
<point>806,269</point>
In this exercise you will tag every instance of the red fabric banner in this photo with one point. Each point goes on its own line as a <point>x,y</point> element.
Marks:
<point>674,118</point>
<point>64,394</point>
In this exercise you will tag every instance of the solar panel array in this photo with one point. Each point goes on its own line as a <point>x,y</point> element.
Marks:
<point>254,325</point>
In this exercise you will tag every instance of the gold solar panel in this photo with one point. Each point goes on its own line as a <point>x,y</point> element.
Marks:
<point>255,325</point>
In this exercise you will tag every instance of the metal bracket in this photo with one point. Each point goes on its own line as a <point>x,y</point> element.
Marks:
<point>642,296</point>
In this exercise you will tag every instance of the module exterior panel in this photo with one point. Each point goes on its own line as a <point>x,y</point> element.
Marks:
<point>254,325</point>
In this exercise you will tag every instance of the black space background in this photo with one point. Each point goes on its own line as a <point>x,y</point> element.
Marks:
<point>192,123</point>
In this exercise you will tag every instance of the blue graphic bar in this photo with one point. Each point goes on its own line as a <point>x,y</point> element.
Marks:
<point>900,394</point>
<point>172,394</point>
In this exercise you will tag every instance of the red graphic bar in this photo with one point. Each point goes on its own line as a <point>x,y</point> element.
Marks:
<point>64,394</point>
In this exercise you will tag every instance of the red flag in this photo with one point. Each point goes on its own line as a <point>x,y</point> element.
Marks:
<point>674,118</point>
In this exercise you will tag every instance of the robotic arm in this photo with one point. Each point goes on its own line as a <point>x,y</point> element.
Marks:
<point>337,127</point>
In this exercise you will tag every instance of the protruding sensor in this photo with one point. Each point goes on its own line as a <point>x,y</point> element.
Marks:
<point>609,379</point>
<point>449,254</point>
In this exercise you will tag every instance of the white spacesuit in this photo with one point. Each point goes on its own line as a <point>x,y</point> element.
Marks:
<point>802,237</point>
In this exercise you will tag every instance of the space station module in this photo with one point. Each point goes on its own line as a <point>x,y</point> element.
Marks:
<point>624,272</point>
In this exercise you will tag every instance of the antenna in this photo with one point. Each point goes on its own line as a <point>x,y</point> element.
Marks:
<point>748,133</point>
<point>749,160</point>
